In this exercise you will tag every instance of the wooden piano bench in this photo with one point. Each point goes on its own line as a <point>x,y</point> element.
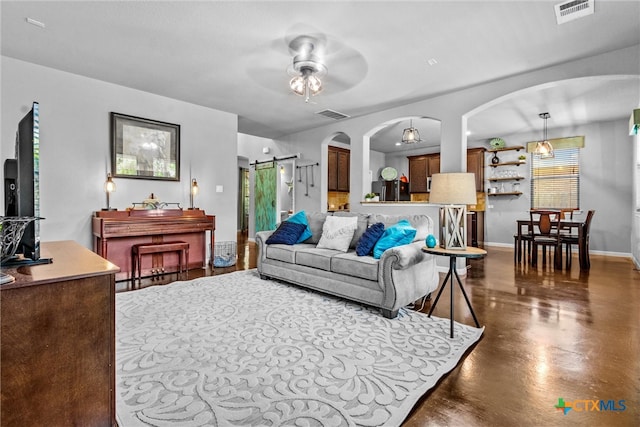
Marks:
<point>137,251</point>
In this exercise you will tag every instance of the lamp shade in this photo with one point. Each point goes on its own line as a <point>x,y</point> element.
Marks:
<point>457,188</point>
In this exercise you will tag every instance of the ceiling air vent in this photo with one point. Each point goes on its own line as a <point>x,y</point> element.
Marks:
<point>332,114</point>
<point>574,9</point>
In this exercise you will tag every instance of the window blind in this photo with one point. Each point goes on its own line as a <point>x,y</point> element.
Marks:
<point>555,182</point>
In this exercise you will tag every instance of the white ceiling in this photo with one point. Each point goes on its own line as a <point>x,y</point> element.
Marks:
<point>233,55</point>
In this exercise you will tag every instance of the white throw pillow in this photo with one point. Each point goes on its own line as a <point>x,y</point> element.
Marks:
<point>337,232</point>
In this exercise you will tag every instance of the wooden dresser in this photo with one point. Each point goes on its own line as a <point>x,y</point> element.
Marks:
<point>115,232</point>
<point>57,348</point>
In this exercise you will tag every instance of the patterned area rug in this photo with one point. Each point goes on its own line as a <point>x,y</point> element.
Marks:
<point>235,350</point>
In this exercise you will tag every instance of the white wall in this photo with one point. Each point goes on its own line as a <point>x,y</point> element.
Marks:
<point>377,161</point>
<point>75,148</point>
<point>606,166</point>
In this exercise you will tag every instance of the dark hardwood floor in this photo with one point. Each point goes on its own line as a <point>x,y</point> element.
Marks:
<point>548,335</point>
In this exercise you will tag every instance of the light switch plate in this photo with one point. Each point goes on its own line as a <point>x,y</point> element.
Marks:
<point>219,188</point>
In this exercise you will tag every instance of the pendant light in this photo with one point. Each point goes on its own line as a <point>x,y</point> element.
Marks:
<point>410,135</point>
<point>544,149</point>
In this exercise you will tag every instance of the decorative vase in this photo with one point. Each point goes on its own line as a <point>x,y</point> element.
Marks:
<point>431,241</point>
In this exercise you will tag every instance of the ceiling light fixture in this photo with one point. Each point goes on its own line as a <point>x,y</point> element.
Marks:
<point>307,68</point>
<point>544,149</point>
<point>306,84</point>
<point>410,135</point>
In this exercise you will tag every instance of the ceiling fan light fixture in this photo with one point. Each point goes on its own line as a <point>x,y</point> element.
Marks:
<point>307,83</point>
<point>307,68</point>
<point>297,85</point>
<point>544,149</point>
<point>315,84</point>
<point>410,135</point>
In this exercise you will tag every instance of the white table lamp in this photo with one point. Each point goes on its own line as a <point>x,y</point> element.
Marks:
<point>455,191</point>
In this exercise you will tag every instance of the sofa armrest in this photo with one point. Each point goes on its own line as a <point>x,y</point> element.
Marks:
<point>406,273</point>
<point>261,243</point>
<point>403,257</point>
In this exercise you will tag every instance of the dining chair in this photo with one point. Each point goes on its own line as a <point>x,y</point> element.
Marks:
<point>547,224</point>
<point>522,245</point>
<point>568,240</point>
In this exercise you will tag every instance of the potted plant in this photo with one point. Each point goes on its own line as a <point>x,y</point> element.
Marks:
<point>522,158</point>
<point>371,197</point>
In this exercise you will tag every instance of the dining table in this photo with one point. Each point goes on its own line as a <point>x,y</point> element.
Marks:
<point>524,229</point>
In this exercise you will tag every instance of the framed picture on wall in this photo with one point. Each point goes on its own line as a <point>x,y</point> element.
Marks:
<point>144,148</point>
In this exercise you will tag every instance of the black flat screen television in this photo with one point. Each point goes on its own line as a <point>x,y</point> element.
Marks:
<point>22,182</point>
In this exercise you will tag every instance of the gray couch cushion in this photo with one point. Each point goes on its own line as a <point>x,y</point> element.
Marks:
<point>316,258</point>
<point>316,221</point>
<point>365,267</point>
<point>362,226</point>
<point>422,223</point>
<point>285,253</point>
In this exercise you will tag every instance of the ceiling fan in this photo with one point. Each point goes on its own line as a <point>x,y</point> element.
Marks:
<point>329,65</point>
<point>307,68</point>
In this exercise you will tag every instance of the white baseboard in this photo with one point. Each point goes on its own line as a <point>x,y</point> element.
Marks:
<point>605,253</point>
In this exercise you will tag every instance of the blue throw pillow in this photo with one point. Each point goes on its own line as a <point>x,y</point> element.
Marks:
<point>287,233</point>
<point>301,218</point>
<point>369,238</point>
<point>398,234</point>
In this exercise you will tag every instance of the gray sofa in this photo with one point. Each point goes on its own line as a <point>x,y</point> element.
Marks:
<point>401,276</point>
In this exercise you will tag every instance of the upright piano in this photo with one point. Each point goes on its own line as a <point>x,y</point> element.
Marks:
<point>115,232</point>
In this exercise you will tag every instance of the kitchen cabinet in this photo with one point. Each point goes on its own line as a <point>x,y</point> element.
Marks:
<point>338,169</point>
<point>417,174</point>
<point>420,168</point>
<point>475,164</point>
<point>423,166</point>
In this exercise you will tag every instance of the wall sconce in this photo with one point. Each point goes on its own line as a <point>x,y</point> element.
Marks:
<point>193,192</point>
<point>109,187</point>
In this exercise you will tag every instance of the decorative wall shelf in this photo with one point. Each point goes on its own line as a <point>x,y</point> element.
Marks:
<point>509,178</point>
<point>506,193</point>
<point>515,163</point>
<point>515,147</point>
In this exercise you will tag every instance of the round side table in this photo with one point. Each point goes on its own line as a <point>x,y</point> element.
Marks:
<point>469,252</point>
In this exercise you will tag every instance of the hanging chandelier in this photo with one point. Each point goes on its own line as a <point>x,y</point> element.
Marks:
<point>544,149</point>
<point>410,135</point>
